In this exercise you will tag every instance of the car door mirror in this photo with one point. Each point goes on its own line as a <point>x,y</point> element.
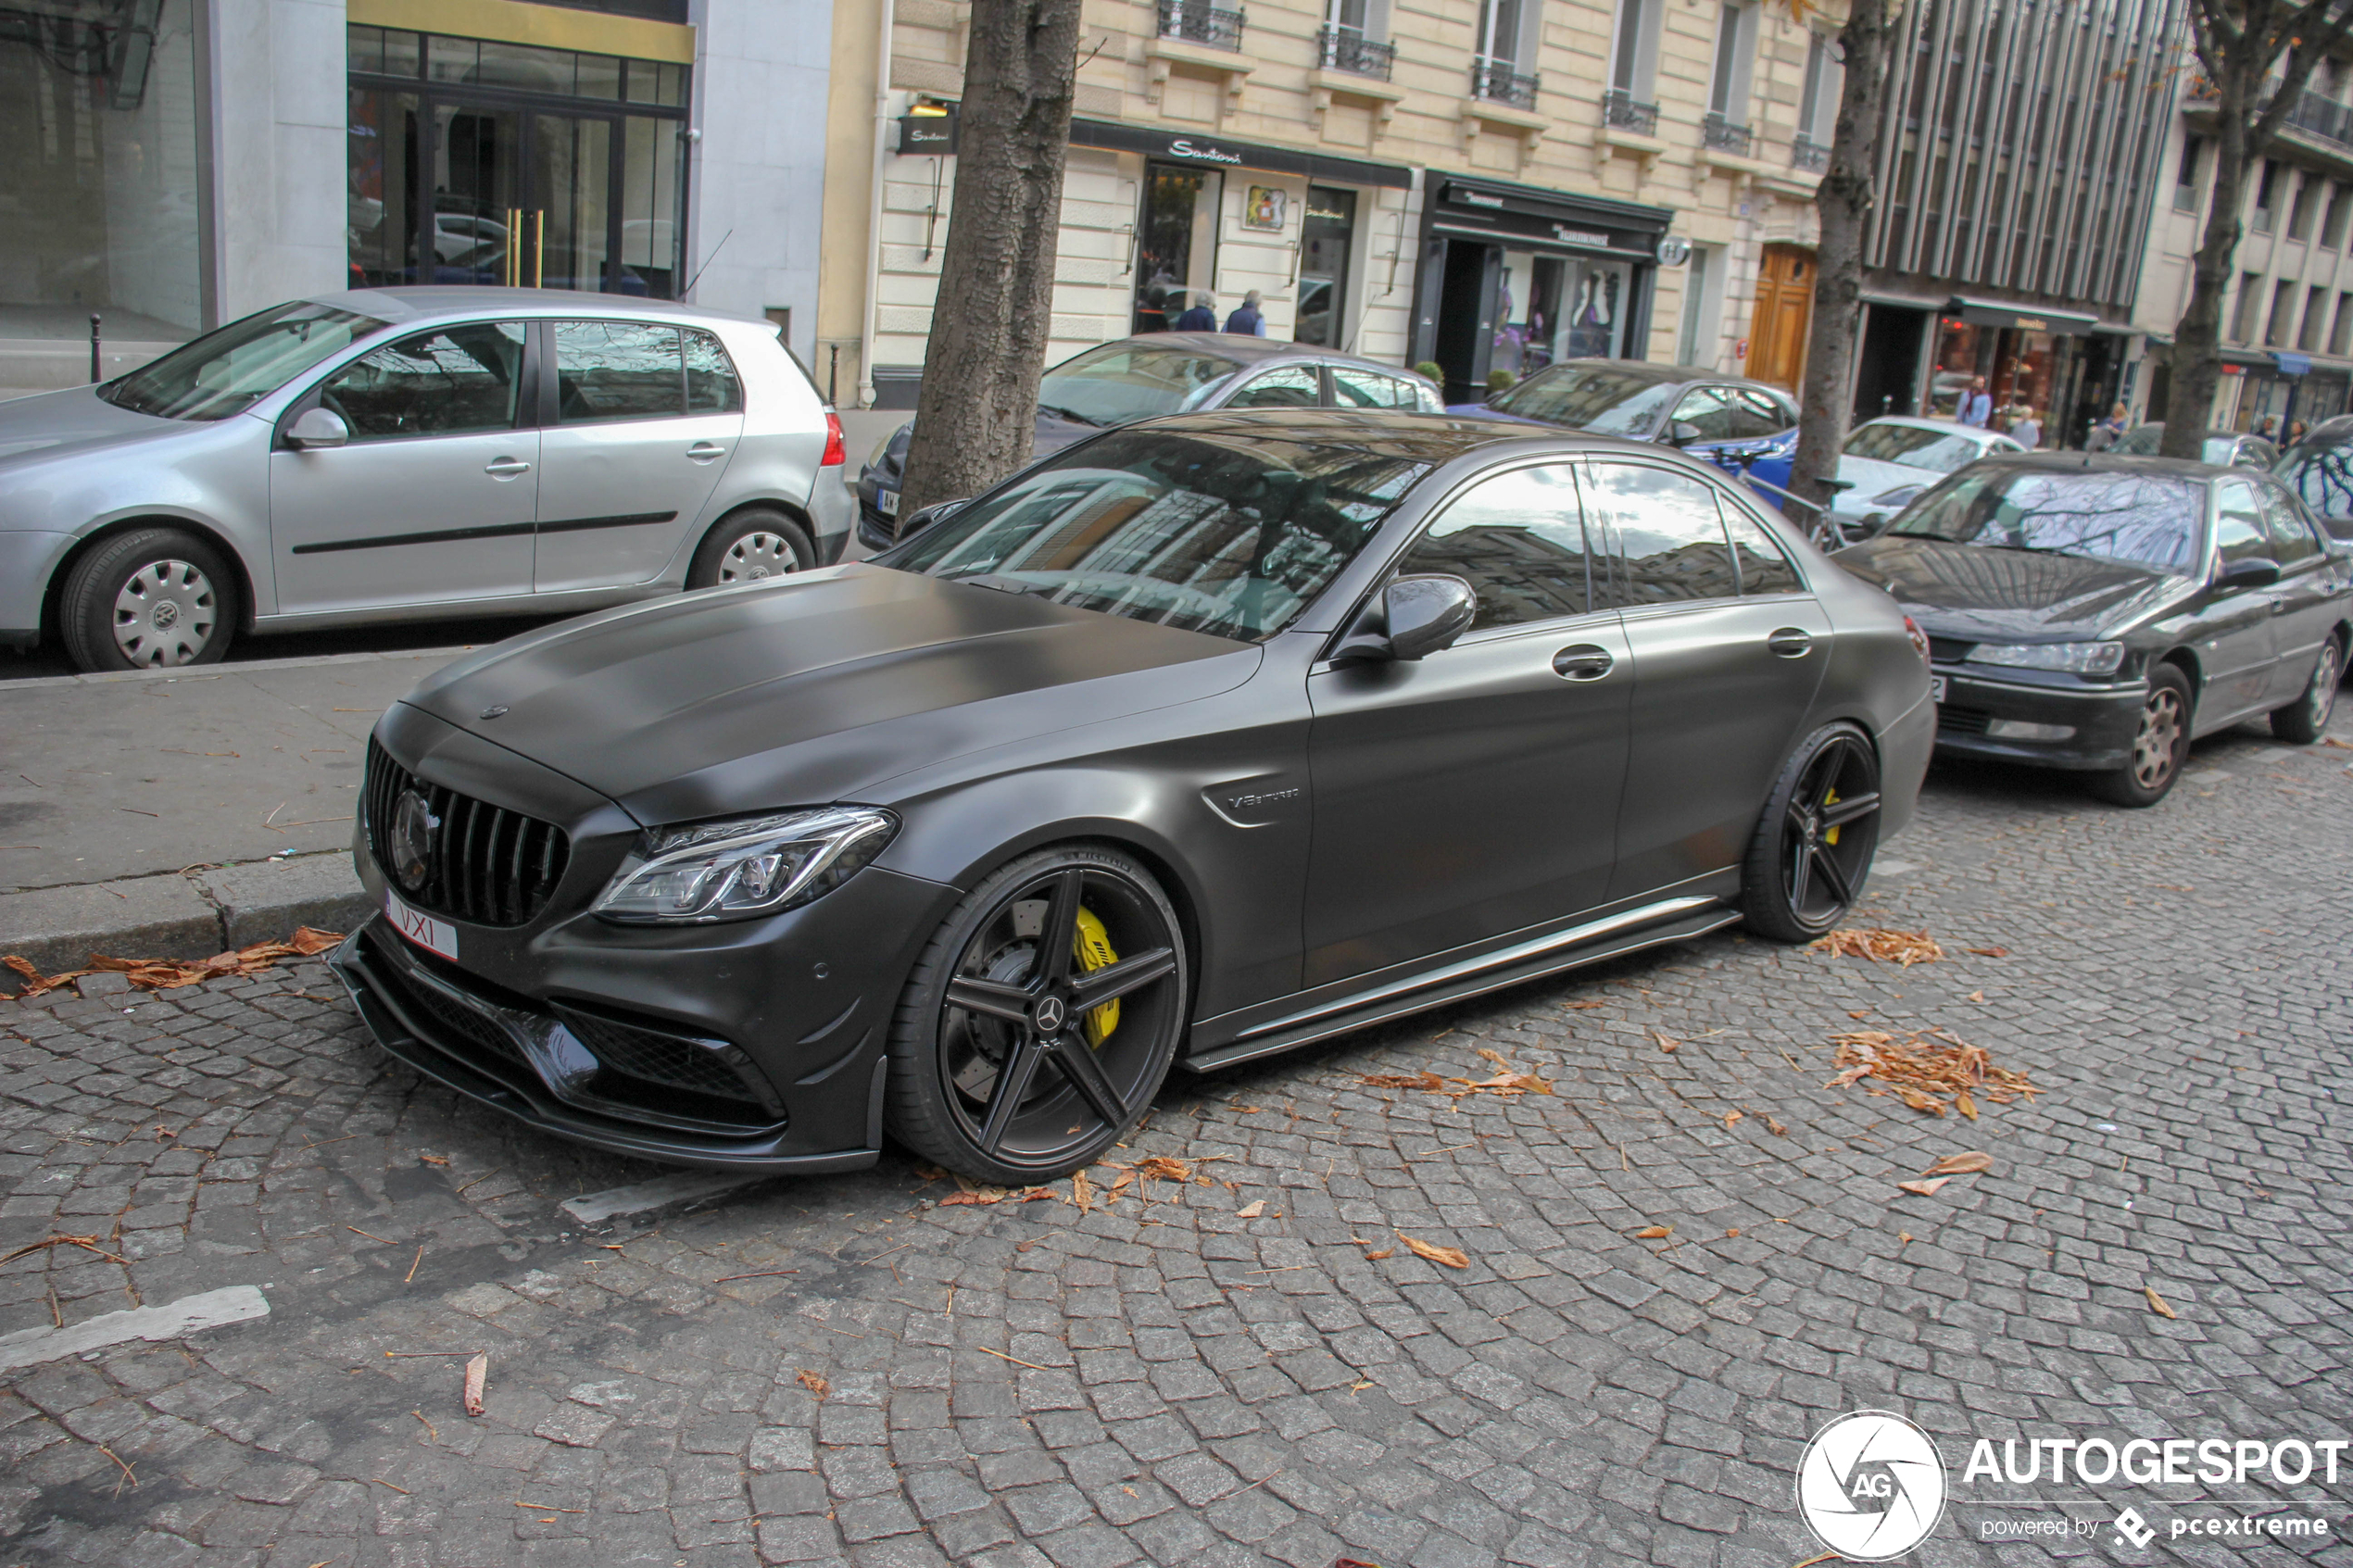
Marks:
<point>915,522</point>
<point>317,427</point>
<point>2251,571</point>
<point>1681,432</point>
<point>1414,618</point>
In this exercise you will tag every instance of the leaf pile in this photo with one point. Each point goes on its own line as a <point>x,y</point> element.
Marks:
<point>1508,1080</point>
<point>1925,1067</point>
<point>166,974</point>
<point>1904,947</point>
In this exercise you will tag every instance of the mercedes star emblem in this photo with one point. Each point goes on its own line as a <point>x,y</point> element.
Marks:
<point>409,843</point>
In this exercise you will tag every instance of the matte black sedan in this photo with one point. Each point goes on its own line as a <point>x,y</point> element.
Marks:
<point>1203,739</point>
<point>2099,613</point>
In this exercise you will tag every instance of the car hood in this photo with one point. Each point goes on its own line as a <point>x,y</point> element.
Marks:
<point>49,425</point>
<point>1978,594</point>
<point>1871,477</point>
<point>814,688</point>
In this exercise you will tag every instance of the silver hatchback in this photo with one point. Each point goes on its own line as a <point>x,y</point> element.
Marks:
<point>399,454</point>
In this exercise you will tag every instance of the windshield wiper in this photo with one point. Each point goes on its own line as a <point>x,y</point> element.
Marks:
<point>1073,415</point>
<point>1001,585</point>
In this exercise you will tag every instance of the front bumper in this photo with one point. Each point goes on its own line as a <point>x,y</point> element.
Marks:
<point>2104,718</point>
<point>875,531</point>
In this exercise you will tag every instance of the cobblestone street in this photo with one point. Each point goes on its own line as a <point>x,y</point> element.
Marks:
<point>1253,1365</point>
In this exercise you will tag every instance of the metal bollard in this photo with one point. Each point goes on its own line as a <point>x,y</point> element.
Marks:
<point>94,347</point>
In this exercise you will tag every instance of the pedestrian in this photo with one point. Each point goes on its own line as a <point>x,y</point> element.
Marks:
<point>1977,406</point>
<point>2265,427</point>
<point>1201,318</point>
<point>1246,319</point>
<point>2109,431</point>
<point>2296,431</point>
<point>2026,429</point>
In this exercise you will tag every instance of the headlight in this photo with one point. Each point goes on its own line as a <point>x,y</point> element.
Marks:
<point>1902,496</point>
<point>748,866</point>
<point>2081,659</point>
<point>883,446</point>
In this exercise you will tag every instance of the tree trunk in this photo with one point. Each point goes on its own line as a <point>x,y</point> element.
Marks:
<point>977,417</point>
<point>2197,341</point>
<point>1843,202</point>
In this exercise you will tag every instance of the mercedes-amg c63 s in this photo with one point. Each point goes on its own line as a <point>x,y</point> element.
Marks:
<point>1204,738</point>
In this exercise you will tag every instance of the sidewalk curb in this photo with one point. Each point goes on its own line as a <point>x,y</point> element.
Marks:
<point>191,915</point>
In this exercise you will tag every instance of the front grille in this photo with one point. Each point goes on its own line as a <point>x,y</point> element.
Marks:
<point>483,863</point>
<point>1962,721</point>
<point>712,1068</point>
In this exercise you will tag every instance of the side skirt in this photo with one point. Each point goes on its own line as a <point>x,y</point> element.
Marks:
<point>1674,920</point>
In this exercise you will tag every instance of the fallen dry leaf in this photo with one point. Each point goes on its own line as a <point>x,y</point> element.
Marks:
<point>477,1376</point>
<point>1251,1210</point>
<point>2157,1303</point>
<point>1924,1068</point>
<point>164,975</point>
<point>953,1198</point>
<point>1731,1117</point>
<point>1903,948</point>
<point>815,1384</point>
<point>1082,1191</point>
<point>1580,1007</point>
<point>1653,1233</point>
<point>1966,1106</point>
<point>1454,1258</point>
<point>1988,952</point>
<point>1773,1126</point>
<point>1429,1082</point>
<point>1162,1166</point>
<point>1967,1163</point>
<point>1977,995</point>
<point>1376,1256</point>
<point>1903,1237</point>
<point>1733,1232</point>
<point>1924,1188</point>
<point>1669,1047</point>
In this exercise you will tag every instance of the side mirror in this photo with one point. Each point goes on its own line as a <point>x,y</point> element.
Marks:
<point>1682,432</point>
<point>317,427</point>
<point>2250,572</point>
<point>1873,526</point>
<point>915,522</point>
<point>1414,618</point>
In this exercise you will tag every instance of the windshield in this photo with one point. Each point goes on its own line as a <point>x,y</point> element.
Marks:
<point>2151,519</point>
<point>1221,534</point>
<point>1937,451</point>
<point>1122,381</point>
<point>227,372</point>
<point>2142,441</point>
<point>2322,473</point>
<point>1605,400</point>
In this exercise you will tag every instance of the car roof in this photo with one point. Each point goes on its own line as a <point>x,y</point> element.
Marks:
<point>433,301</point>
<point>1249,350</point>
<point>1663,375</point>
<point>2107,462</point>
<point>1948,427</point>
<point>1430,438</point>
<point>2211,432</point>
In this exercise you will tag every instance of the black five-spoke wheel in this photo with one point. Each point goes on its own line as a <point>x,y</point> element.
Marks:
<point>1042,1019</point>
<point>1814,845</point>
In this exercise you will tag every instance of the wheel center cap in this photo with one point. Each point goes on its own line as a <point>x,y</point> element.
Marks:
<point>165,615</point>
<point>1050,1015</point>
<point>757,572</point>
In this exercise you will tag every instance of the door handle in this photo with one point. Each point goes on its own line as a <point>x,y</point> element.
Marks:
<point>506,468</point>
<point>1790,643</point>
<point>703,451</point>
<point>1582,661</point>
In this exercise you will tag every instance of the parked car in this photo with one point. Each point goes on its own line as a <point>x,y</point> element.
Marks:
<point>2319,470</point>
<point>2099,613</point>
<point>1677,404</point>
<point>1885,465</point>
<point>1136,378</point>
<point>2224,448</point>
<point>972,841</point>
<point>398,454</point>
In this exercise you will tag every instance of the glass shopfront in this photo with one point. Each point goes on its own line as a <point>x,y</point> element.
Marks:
<point>481,162</point>
<point>2043,364</point>
<point>99,211</point>
<point>1176,242</point>
<point>1326,237</point>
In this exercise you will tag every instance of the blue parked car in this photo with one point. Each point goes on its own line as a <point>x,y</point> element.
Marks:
<point>1701,411</point>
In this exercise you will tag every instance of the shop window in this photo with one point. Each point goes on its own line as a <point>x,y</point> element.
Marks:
<point>1326,237</point>
<point>1175,243</point>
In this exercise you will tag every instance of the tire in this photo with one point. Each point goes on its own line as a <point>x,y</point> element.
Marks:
<point>1813,845</point>
<point>2161,742</point>
<point>2307,718</point>
<point>154,598</point>
<point>749,547</point>
<point>981,1004</point>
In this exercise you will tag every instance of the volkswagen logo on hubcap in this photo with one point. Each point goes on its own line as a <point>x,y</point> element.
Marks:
<point>1051,1015</point>
<point>409,843</point>
<point>165,615</point>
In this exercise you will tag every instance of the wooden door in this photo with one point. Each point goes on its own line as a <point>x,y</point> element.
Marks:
<point>1784,311</point>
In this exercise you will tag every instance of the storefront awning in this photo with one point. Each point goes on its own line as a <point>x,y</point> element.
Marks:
<point>2292,364</point>
<point>1218,151</point>
<point>2024,317</point>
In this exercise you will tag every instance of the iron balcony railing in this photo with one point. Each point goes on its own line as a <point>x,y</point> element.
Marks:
<point>1620,109</point>
<point>1496,81</point>
<point>1347,48</point>
<point>1716,131</point>
<point>1808,154</point>
<point>1198,23</point>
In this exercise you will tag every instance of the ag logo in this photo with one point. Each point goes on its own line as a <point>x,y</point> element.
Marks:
<point>1871,1485</point>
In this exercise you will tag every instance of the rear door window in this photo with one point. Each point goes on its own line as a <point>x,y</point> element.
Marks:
<point>1518,539</point>
<point>713,386</point>
<point>1294,387</point>
<point>2291,539</point>
<point>619,370</point>
<point>1666,537</point>
<point>1352,388</point>
<point>1764,568</point>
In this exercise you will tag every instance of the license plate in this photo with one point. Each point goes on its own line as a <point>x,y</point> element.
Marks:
<point>887,502</point>
<point>433,936</point>
<point>1936,688</point>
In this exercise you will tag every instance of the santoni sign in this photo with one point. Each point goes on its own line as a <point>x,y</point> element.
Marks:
<point>1183,147</point>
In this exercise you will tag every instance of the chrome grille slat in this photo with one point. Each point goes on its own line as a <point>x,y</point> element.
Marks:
<point>489,865</point>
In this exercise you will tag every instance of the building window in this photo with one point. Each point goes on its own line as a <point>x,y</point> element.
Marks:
<point>1735,41</point>
<point>2299,215</point>
<point>2283,317</point>
<point>1817,105</point>
<point>1506,48</point>
<point>2250,298</point>
<point>1698,337</point>
<point>1633,62</point>
<point>2333,226</point>
<point>2316,315</point>
<point>2266,191</point>
<point>1354,38</point>
<point>2341,330</point>
<point>2186,177</point>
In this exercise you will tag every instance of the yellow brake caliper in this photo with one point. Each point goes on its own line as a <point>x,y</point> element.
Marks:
<point>1091,946</point>
<point>1830,800</point>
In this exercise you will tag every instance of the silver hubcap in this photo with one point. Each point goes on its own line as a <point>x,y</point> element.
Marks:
<point>756,555</point>
<point>2324,694</point>
<point>2161,738</point>
<point>165,615</point>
